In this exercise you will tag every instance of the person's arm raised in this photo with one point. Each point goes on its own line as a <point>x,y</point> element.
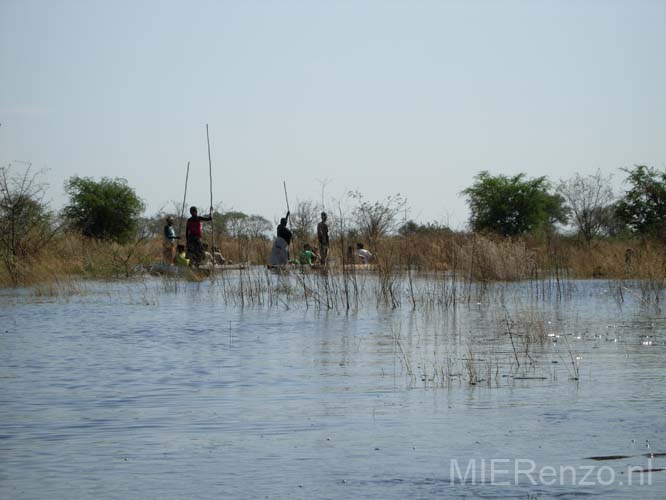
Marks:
<point>210,216</point>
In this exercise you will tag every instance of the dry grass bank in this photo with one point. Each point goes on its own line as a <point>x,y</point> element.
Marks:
<point>72,255</point>
<point>472,257</point>
<point>485,258</point>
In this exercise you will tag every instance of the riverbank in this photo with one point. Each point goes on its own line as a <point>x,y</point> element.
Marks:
<point>472,256</point>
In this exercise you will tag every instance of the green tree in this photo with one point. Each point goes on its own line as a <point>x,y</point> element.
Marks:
<point>105,209</point>
<point>643,206</point>
<point>515,205</point>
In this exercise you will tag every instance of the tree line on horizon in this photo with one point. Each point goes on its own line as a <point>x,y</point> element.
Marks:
<point>509,206</point>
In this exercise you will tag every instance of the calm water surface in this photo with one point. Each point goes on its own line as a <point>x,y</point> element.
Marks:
<point>130,390</point>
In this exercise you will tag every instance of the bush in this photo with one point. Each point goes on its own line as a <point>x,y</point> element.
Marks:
<point>411,228</point>
<point>108,209</point>
<point>643,206</point>
<point>512,206</point>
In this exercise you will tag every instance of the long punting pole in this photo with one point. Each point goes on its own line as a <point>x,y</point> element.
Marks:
<point>212,225</point>
<point>284,183</point>
<point>182,210</point>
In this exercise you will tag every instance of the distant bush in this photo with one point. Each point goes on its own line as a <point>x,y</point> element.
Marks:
<point>107,209</point>
<point>511,206</point>
<point>410,228</point>
<point>376,220</point>
<point>643,206</point>
<point>589,200</point>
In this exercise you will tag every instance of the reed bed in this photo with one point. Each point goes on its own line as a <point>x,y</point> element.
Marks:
<point>466,260</point>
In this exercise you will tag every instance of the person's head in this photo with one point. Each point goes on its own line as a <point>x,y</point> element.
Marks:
<point>193,211</point>
<point>283,221</point>
<point>169,220</point>
<point>180,248</point>
<point>359,246</point>
<point>323,216</point>
<point>307,246</point>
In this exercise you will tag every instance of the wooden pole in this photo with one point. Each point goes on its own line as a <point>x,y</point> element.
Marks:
<point>182,210</point>
<point>284,183</point>
<point>212,224</point>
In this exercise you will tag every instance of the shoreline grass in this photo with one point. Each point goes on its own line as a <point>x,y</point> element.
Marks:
<point>467,257</point>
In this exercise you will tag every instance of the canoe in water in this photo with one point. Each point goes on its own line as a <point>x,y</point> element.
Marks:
<point>171,270</point>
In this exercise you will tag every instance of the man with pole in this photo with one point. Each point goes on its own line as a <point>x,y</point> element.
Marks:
<point>194,235</point>
<point>280,252</point>
<point>282,230</point>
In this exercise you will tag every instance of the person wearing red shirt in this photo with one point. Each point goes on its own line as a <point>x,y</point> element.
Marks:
<point>194,234</point>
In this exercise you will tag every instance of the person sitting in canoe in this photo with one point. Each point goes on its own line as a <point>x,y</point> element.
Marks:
<point>219,258</point>
<point>307,256</point>
<point>181,256</point>
<point>364,256</point>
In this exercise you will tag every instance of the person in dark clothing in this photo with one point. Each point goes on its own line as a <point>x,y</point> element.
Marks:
<point>282,231</point>
<point>193,235</point>
<point>322,236</point>
<point>280,253</point>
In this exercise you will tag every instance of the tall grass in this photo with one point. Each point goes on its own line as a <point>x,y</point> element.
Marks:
<point>456,265</point>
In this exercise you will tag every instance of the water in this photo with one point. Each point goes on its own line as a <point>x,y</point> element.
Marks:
<point>132,390</point>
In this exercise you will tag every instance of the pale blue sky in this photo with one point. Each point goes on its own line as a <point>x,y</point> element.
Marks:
<point>381,96</point>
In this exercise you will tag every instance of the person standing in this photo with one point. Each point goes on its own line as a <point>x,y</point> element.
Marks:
<point>282,230</point>
<point>280,252</point>
<point>170,239</point>
<point>194,235</point>
<point>322,236</point>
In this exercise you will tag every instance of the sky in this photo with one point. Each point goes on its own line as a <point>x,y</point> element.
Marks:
<point>383,97</point>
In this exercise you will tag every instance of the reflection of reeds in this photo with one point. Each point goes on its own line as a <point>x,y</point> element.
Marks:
<point>470,368</point>
<point>572,365</point>
<point>404,359</point>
